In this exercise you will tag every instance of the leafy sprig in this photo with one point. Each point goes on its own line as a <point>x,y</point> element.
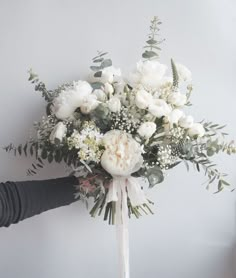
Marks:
<point>152,46</point>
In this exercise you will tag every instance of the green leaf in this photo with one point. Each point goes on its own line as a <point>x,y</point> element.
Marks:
<point>95,68</point>
<point>149,54</point>
<point>106,63</point>
<point>98,74</point>
<point>97,85</point>
<point>151,41</point>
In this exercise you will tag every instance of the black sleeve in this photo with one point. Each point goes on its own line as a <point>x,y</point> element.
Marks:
<point>20,200</point>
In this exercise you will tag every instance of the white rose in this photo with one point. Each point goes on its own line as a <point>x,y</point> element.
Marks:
<point>177,99</point>
<point>68,100</point>
<point>114,104</point>
<point>184,73</point>
<point>147,129</point>
<point>159,108</point>
<point>143,99</point>
<point>108,88</point>
<point>149,74</point>
<point>186,121</point>
<point>197,130</point>
<point>59,132</point>
<point>122,155</point>
<point>109,73</point>
<point>101,96</point>
<point>89,104</point>
<point>174,116</point>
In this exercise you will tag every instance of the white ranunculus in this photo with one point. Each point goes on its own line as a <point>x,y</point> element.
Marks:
<point>101,96</point>
<point>147,129</point>
<point>68,100</point>
<point>122,155</point>
<point>159,108</point>
<point>143,99</point>
<point>59,132</point>
<point>186,121</point>
<point>184,73</point>
<point>89,104</point>
<point>108,88</point>
<point>109,74</point>
<point>177,99</point>
<point>114,104</point>
<point>148,73</point>
<point>174,116</point>
<point>197,130</point>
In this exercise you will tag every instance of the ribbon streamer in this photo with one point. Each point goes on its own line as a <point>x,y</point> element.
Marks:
<point>120,190</point>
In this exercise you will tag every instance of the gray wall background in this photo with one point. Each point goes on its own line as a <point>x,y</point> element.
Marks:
<point>192,233</point>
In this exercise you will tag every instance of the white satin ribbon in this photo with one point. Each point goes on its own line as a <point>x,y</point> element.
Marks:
<point>120,189</point>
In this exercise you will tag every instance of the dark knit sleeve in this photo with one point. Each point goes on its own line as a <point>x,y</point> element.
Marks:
<point>21,200</point>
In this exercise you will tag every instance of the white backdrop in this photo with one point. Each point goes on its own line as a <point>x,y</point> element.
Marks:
<point>192,233</point>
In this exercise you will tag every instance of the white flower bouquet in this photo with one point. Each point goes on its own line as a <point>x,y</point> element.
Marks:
<point>114,129</point>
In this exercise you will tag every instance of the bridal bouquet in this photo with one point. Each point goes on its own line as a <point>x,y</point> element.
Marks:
<point>114,129</point>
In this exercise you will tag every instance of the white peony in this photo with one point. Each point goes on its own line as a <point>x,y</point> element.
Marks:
<point>159,108</point>
<point>149,74</point>
<point>174,116</point>
<point>177,99</point>
<point>197,130</point>
<point>184,73</point>
<point>186,121</point>
<point>114,104</point>
<point>89,104</point>
<point>122,155</point>
<point>143,99</point>
<point>147,129</point>
<point>109,74</point>
<point>59,132</point>
<point>68,100</point>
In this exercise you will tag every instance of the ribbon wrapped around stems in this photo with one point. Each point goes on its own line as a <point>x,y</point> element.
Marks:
<point>122,190</point>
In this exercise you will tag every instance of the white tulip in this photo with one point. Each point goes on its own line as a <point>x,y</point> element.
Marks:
<point>177,99</point>
<point>59,132</point>
<point>197,130</point>
<point>143,99</point>
<point>159,108</point>
<point>122,155</point>
<point>147,129</point>
<point>114,104</point>
<point>184,73</point>
<point>186,121</point>
<point>109,73</point>
<point>174,116</point>
<point>108,88</point>
<point>89,104</point>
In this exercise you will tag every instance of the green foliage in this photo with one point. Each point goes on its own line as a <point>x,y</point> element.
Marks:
<point>100,63</point>
<point>152,47</point>
<point>40,86</point>
<point>175,75</point>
